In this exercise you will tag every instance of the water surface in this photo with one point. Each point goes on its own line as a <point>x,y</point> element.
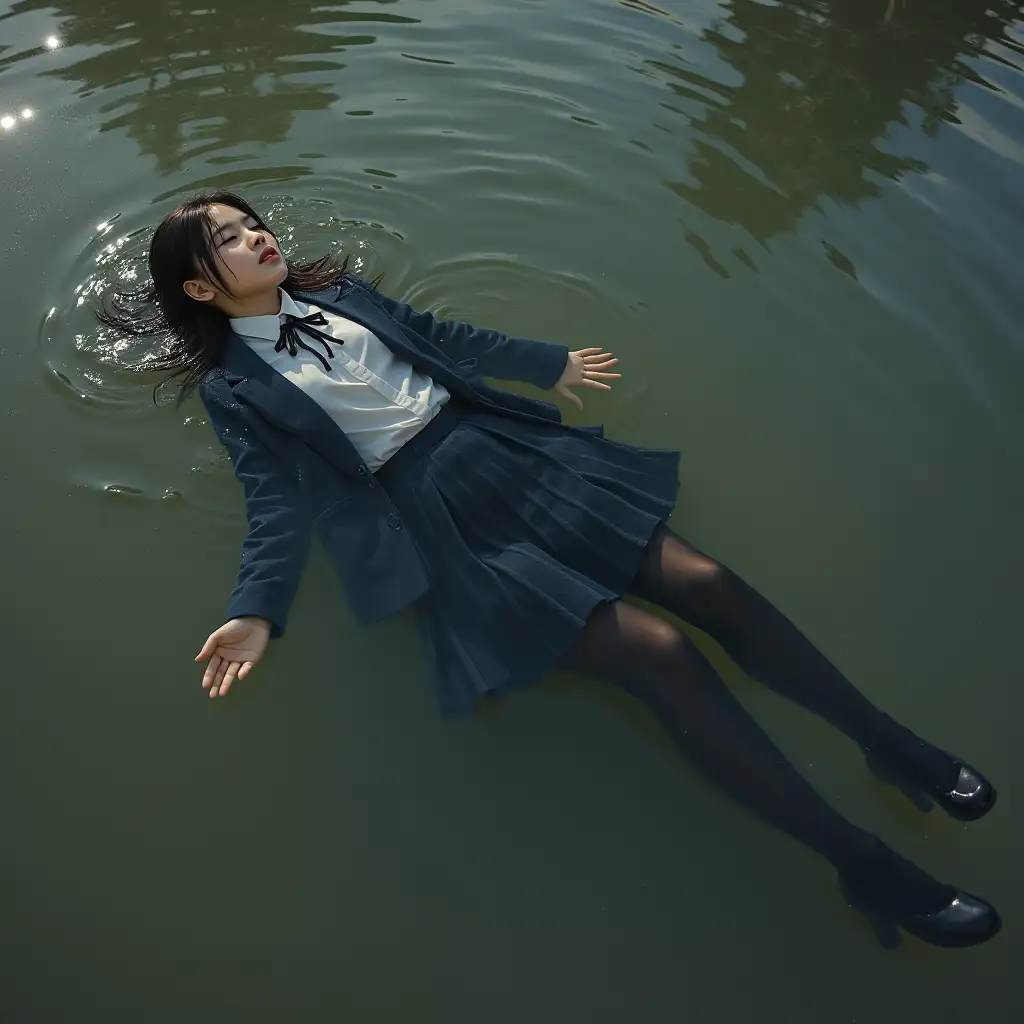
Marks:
<point>797,223</point>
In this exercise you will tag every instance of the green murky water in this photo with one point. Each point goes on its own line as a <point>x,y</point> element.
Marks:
<point>798,223</point>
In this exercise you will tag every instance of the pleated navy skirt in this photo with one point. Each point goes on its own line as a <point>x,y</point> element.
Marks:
<point>524,527</point>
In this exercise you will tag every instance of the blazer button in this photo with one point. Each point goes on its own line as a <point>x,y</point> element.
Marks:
<point>394,522</point>
<point>362,471</point>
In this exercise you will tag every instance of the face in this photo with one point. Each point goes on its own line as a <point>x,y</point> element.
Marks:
<point>248,257</point>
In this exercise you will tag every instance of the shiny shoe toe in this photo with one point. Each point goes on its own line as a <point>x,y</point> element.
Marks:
<point>967,921</point>
<point>971,797</point>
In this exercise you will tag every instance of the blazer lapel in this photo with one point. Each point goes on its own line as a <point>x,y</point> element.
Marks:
<point>279,401</point>
<point>353,303</point>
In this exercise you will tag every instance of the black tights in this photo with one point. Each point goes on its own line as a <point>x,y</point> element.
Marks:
<point>655,662</point>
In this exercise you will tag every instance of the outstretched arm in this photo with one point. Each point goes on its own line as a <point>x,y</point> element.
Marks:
<point>274,551</point>
<point>492,353</point>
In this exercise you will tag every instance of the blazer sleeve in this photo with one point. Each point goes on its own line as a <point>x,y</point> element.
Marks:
<point>490,353</point>
<point>275,549</point>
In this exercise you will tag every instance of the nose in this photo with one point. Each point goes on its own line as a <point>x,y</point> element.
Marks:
<point>257,237</point>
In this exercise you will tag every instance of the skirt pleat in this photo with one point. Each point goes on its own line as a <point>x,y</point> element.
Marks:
<point>524,528</point>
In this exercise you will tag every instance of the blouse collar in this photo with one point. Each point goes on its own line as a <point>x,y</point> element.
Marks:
<point>268,326</point>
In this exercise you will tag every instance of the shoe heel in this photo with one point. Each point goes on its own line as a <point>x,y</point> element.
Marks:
<point>884,772</point>
<point>886,932</point>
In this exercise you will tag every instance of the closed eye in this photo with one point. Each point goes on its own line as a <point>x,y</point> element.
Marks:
<point>253,225</point>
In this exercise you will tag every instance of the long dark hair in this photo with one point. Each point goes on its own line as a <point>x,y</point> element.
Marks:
<point>182,247</point>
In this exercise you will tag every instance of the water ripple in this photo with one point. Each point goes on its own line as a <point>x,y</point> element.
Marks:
<point>726,134</point>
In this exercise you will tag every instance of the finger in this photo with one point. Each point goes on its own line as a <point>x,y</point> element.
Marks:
<point>595,365</point>
<point>596,384</point>
<point>572,396</point>
<point>229,678</point>
<point>211,671</point>
<point>245,670</point>
<point>599,354</point>
<point>594,375</point>
<point>586,351</point>
<point>208,648</point>
<point>221,669</point>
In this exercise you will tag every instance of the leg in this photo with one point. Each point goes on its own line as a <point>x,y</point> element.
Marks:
<point>653,661</point>
<point>766,645</point>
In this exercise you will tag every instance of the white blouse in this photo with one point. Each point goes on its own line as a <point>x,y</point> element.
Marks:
<point>377,399</point>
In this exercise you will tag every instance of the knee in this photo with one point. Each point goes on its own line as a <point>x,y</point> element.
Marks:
<point>707,577</point>
<point>666,668</point>
<point>664,646</point>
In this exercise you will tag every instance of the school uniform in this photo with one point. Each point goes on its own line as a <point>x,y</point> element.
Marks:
<point>353,417</point>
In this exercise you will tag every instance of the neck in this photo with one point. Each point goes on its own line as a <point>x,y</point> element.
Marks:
<point>265,304</point>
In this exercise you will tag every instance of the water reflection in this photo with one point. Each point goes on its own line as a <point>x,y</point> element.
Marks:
<point>10,121</point>
<point>821,84</point>
<point>218,80</point>
<point>799,107</point>
<point>216,85</point>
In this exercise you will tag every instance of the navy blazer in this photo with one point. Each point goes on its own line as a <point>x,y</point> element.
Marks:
<point>302,475</point>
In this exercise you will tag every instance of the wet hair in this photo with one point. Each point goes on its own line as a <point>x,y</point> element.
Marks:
<point>182,248</point>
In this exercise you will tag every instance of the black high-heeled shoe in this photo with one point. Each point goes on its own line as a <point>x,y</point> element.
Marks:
<point>911,765</point>
<point>972,797</point>
<point>965,921</point>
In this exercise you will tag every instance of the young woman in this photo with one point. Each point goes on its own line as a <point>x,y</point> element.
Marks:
<point>352,416</point>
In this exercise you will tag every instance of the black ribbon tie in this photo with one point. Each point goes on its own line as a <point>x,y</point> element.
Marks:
<point>291,339</point>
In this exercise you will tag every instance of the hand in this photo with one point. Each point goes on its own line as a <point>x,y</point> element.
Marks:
<point>585,367</point>
<point>233,650</point>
